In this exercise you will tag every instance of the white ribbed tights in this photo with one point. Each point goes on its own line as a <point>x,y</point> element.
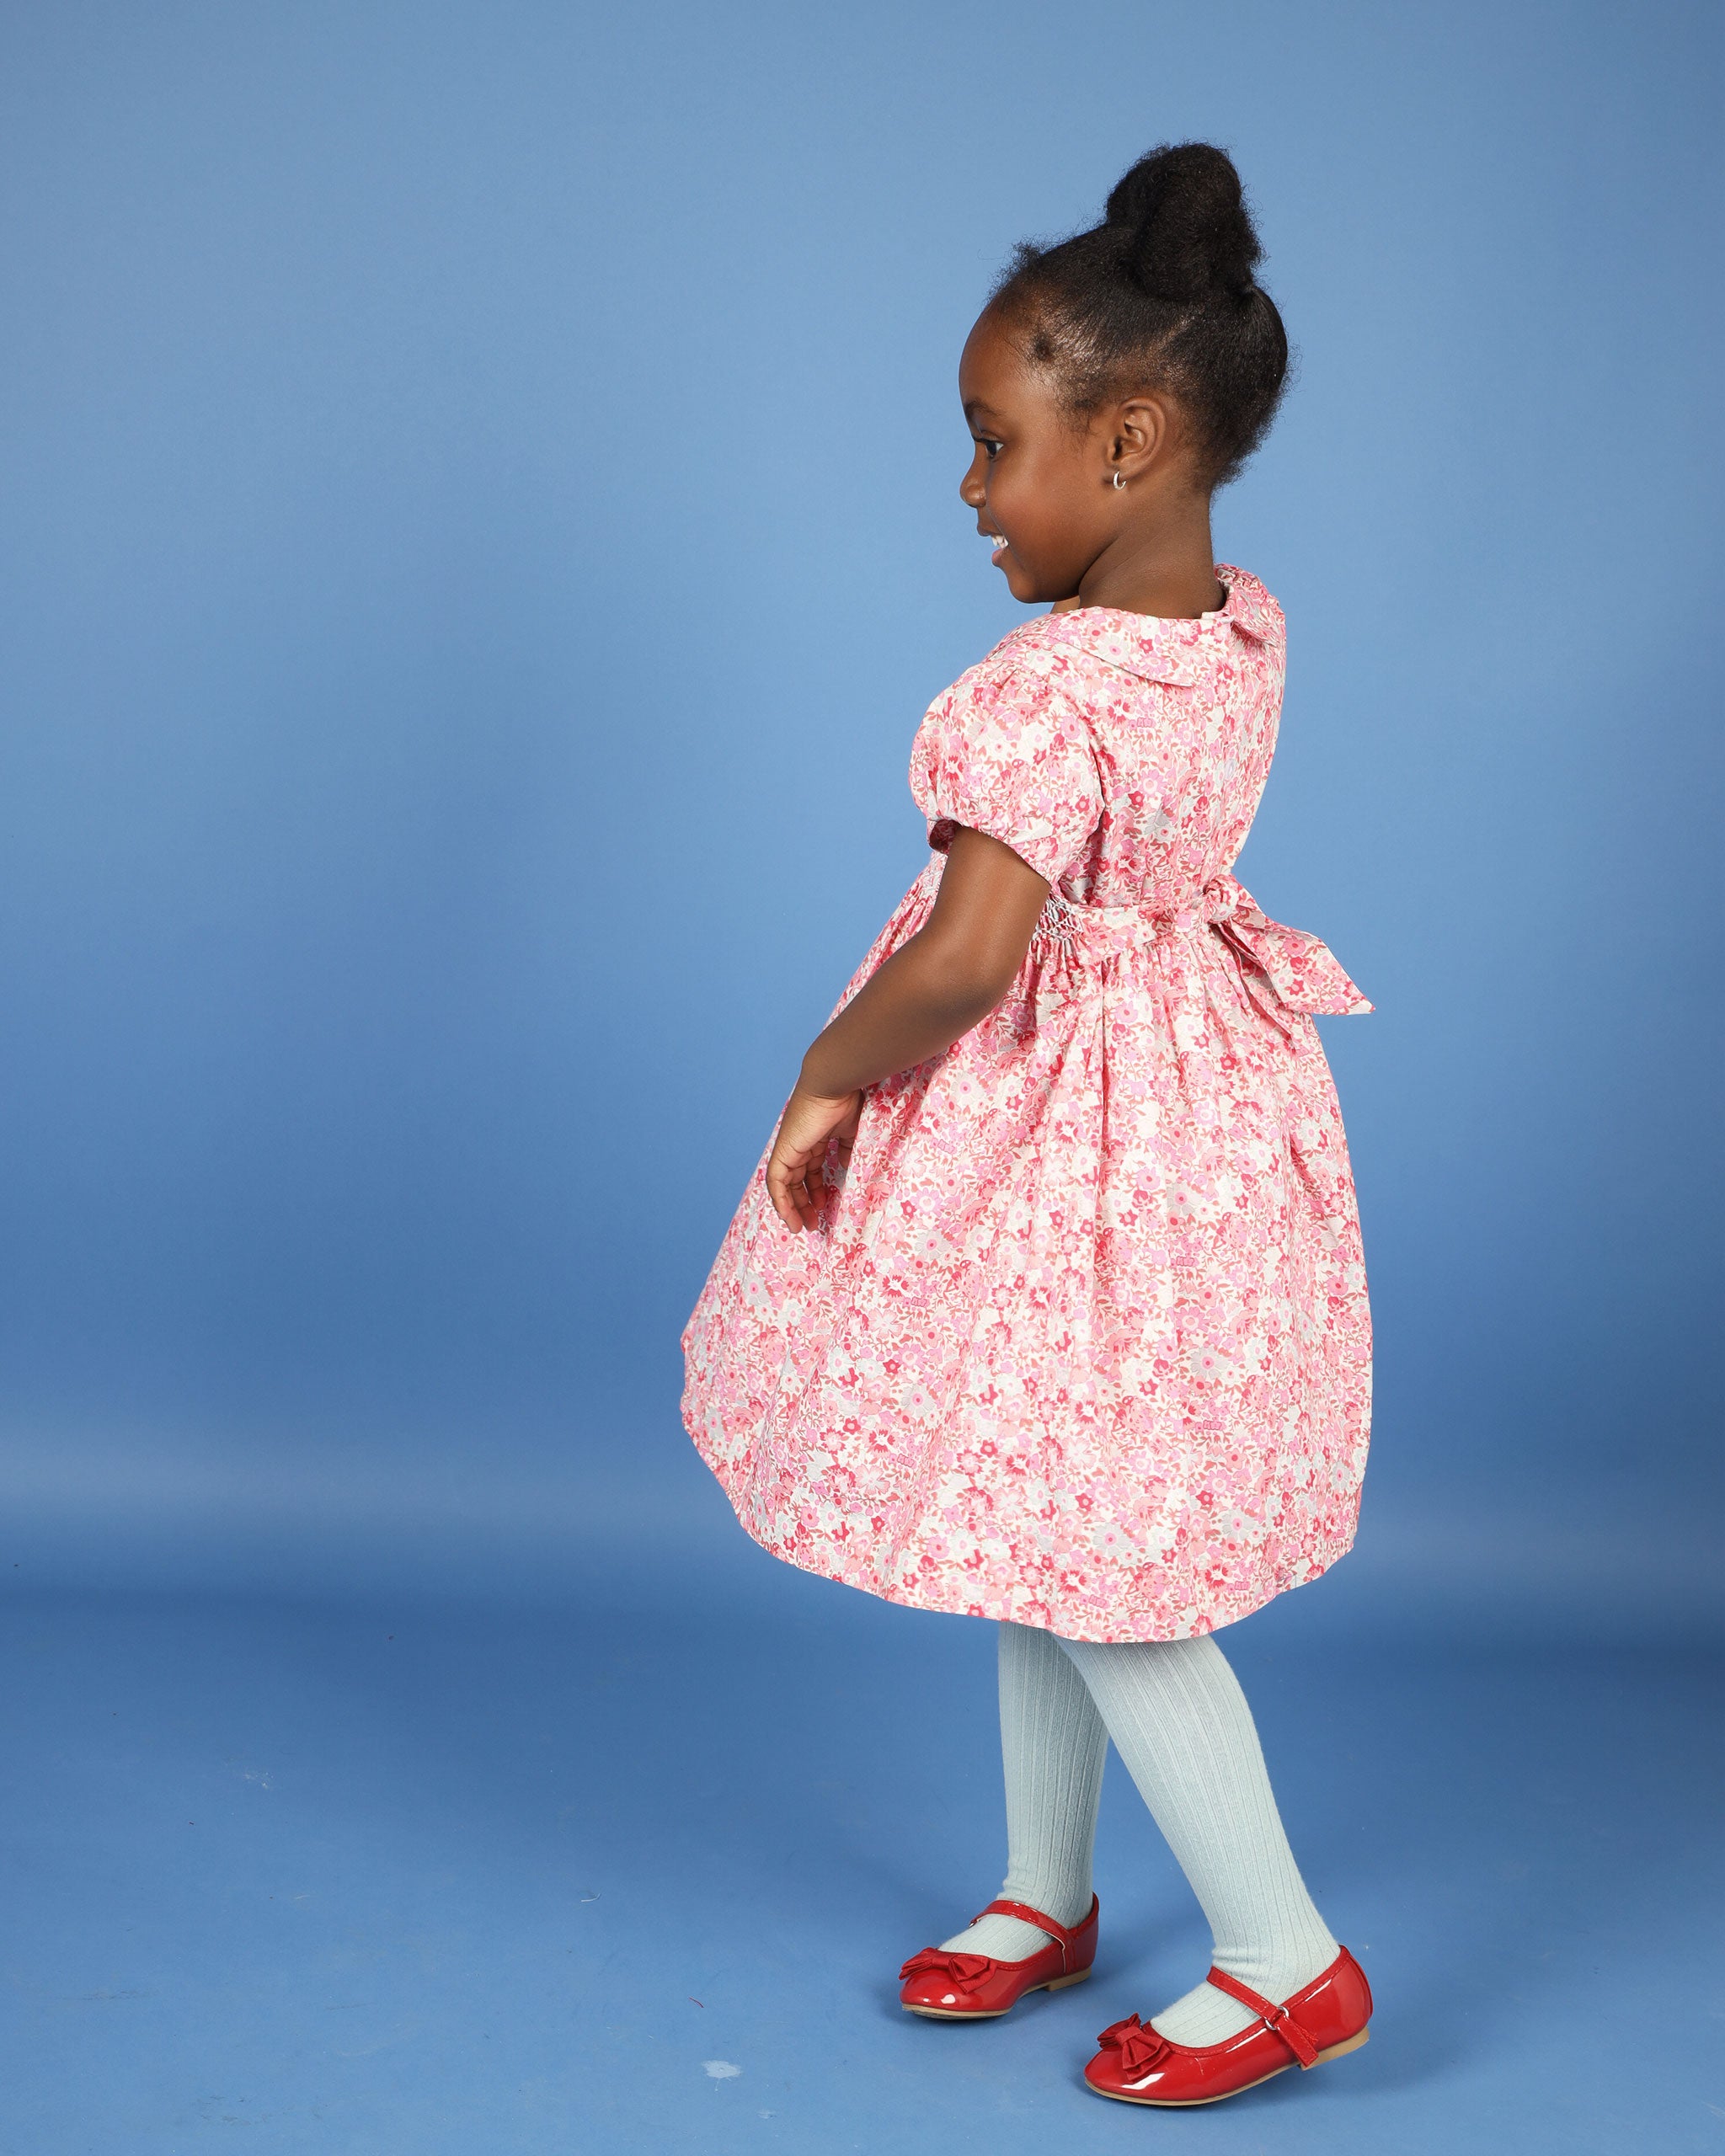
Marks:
<point>1180,1721</point>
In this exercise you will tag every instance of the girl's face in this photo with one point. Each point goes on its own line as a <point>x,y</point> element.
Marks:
<point>1042,484</point>
<point>1039,482</point>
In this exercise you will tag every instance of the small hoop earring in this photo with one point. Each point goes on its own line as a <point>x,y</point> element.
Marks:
<point>1120,483</point>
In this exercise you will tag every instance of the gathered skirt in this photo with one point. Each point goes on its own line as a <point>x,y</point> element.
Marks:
<point>1082,1339</point>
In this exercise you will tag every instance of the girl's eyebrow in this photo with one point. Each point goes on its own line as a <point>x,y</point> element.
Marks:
<point>975,407</point>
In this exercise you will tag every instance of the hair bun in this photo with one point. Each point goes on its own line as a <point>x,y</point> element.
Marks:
<point>1184,220</point>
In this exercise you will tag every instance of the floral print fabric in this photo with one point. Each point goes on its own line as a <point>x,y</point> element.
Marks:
<point>1082,1339</point>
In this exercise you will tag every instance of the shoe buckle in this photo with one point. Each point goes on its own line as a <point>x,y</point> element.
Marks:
<point>1281,2023</point>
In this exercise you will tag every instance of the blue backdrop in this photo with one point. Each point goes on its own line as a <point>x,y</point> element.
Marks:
<point>481,527</point>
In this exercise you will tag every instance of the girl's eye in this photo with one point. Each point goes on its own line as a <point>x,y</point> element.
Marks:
<point>992,447</point>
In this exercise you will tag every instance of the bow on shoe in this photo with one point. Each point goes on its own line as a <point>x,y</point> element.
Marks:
<point>965,1971</point>
<point>1140,2047</point>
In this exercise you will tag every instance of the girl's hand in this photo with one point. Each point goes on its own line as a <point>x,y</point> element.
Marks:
<point>934,988</point>
<point>795,1180</point>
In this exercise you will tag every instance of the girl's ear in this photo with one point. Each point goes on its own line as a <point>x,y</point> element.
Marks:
<point>1138,435</point>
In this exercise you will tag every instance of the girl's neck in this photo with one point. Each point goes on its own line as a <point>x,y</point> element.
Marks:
<point>1162,562</point>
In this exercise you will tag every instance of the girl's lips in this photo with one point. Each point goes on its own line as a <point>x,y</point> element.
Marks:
<point>997,545</point>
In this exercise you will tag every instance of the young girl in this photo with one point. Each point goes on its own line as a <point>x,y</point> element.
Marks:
<point>1047,1303</point>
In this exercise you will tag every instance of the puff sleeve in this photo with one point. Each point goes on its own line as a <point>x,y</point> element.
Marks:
<point>1004,751</point>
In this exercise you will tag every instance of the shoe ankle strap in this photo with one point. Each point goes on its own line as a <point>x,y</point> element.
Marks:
<point>1296,2038</point>
<point>1064,1935</point>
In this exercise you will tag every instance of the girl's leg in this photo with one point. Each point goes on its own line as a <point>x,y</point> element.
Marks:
<point>1053,1745</point>
<point>1181,1723</point>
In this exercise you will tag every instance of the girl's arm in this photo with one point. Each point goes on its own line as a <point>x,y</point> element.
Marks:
<point>951,973</point>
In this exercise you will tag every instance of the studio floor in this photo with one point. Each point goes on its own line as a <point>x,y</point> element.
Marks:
<point>632,1869</point>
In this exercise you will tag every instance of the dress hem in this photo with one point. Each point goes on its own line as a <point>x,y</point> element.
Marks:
<point>915,1598</point>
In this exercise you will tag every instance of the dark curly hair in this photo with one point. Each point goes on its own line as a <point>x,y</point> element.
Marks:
<point>1161,290</point>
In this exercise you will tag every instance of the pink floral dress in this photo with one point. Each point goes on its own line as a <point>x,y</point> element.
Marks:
<point>1083,1339</point>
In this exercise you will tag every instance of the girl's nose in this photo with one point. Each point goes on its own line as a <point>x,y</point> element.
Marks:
<point>971,490</point>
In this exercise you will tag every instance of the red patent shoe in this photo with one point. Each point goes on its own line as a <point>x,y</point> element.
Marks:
<point>949,1986</point>
<point>1327,2018</point>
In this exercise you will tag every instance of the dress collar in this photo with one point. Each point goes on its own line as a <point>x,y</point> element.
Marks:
<point>1158,648</point>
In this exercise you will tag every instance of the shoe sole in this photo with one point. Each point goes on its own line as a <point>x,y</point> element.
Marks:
<point>994,2013</point>
<point>1197,2103</point>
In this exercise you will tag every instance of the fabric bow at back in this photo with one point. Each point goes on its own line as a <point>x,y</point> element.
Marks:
<point>1303,971</point>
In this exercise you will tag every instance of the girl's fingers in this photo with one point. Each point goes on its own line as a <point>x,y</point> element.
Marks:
<point>794,1184</point>
<point>796,1173</point>
<point>805,1196</point>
